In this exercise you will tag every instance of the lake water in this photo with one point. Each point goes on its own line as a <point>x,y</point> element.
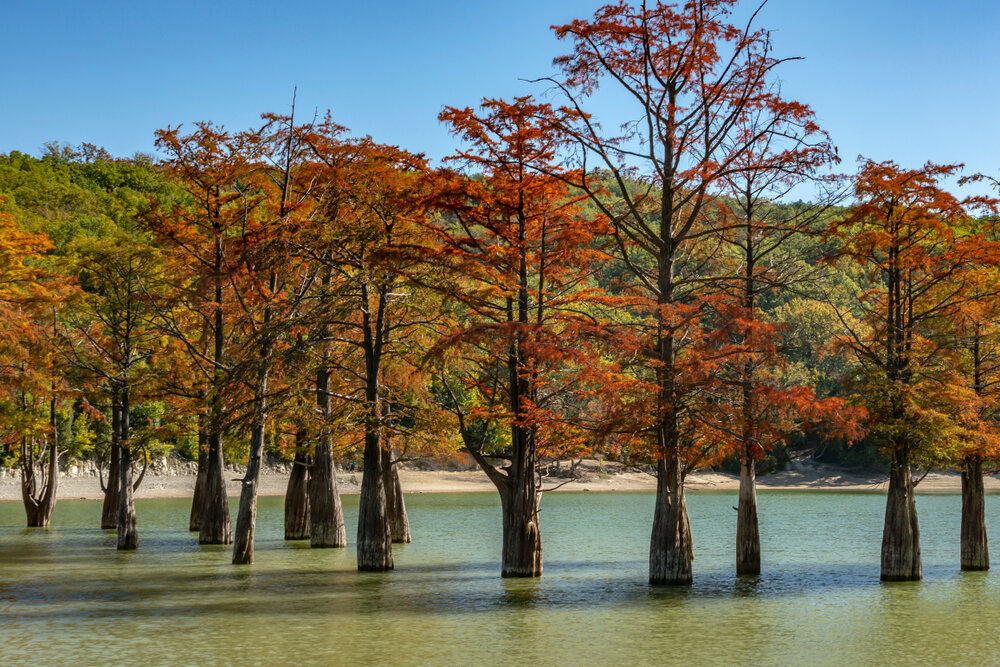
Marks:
<point>67,597</point>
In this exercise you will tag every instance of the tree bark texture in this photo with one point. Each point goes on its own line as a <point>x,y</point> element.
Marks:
<point>670,549</point>
<point>246,517</point>
<point>326,515</point>
<point>522,538</point>
<point>109,511</point>
<point>38,505</point>
<point>399,523</point>
<point>901,534</point>
<point>194,523</point>
<point>374,534</point>
<point>747,529</point>
<point>216,526</point>
<point>128,533</point>
<point>975,547</point>
<point>297,493</point>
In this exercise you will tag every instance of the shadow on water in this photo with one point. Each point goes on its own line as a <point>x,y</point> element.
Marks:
<point>520,592</point>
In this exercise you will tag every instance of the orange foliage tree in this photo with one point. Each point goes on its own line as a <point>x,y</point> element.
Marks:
<point>783,149</point>
<point>689,77</point>
<point>29,300</point>
<point>917,242</point>
<point>371,204</point>
<point>520,263</point>
<point>199,229</point>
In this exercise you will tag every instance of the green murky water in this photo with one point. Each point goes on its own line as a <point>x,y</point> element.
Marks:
<point>67,597</point>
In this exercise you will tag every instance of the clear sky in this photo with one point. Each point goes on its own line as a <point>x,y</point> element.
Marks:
<point>909,80</point>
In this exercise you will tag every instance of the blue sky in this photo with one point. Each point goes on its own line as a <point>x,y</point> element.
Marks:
<point>891,79</point>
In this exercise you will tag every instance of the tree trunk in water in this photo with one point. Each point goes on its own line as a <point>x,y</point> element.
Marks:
<point>975,547</point>
<point>747,530</point>
<point>399,523</point>
<point>109,512</point>
<point>670,544</point>
<point>522,537</point>
<point>39,508</point>
<point>326,515</point>
<point>246,516</point>
<point>216,526</point>
<point>901,534</point>
<point>194,523</point>
<point>374,535</point>
<point>297,494</point>
<point>128,534</point>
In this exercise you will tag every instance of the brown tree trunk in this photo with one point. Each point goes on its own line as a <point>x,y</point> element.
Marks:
<point>38,508</point>
<point>109,512</point>
<point>670,548</point>
<point>901,534</point>
<point>128,534</point>
<point>297,493</point>
<point>326,515</point>
<point>975,547</point>
<point>216,526</point>
<point>374,534</point>
<point>399,523</point>
<point>194,522</point>
<point>246,517</point>
<point>747,530</point>
<point>522,537</point>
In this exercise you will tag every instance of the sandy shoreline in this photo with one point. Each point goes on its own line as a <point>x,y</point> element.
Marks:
<point>803,478</point>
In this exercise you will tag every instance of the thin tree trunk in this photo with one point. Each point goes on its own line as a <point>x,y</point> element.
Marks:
<point>747,530</point>
<point>901,534</point>
<point>297,493</point>
<point>128,535</point>
<point>246,518</point>
<point>109,512</point>
<point>39,507</point>
<point>670,549</point>
<point>975,547</point>
<point>399,524</point>
<point>215,524</point>
<point>194,523</point>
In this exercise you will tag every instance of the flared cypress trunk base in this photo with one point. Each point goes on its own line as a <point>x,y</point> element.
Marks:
<point>747,529</point>
<point>128,533</point>
<point>399,523</point>
<point>198,500</point>
<point>670,548</point>
<point>975,546</point>
<point>109,510</point>
<point>326,514</point>
<point>38,515</point>
<point>901,533</point>
<point>374,534</point>
<point>216,526</point>
<point>246,523</point>
<point>297,500</point>
<point>522,539</point>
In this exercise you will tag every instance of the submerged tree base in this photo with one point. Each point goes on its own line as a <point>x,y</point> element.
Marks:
<point>901,533</point>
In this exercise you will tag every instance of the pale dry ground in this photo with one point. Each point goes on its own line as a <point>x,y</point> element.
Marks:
<point>594,477</point>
